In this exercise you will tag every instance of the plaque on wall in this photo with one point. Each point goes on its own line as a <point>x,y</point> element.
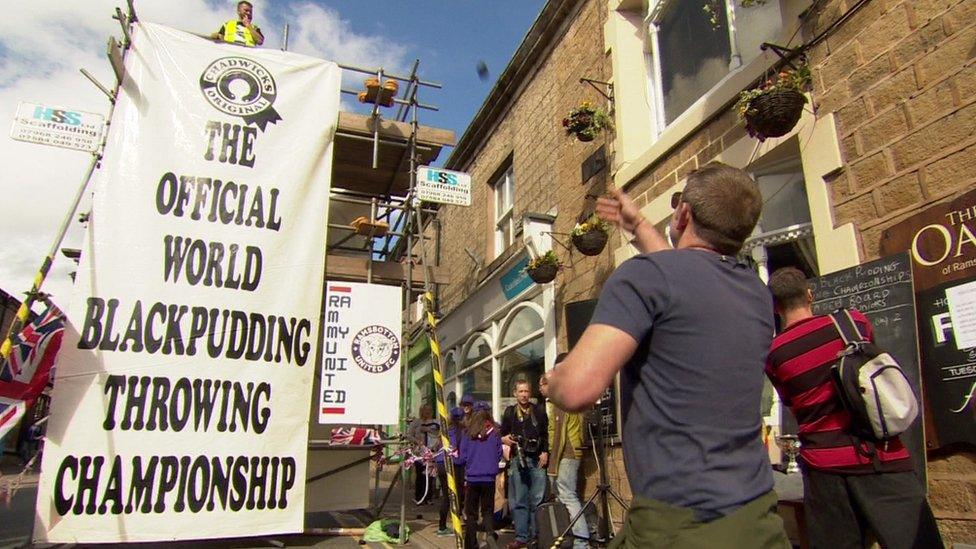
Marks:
<point>941,242</point>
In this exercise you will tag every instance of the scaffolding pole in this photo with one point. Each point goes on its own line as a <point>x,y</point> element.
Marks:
<point>23,312</point>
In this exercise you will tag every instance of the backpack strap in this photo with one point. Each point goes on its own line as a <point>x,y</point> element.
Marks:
<point>869,449</point>
<point>846,327</point>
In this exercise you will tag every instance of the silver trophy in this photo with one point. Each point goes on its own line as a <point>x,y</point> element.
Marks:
<point>790,445</point>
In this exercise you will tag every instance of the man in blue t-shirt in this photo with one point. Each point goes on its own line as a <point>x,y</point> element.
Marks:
<point>688,330</point>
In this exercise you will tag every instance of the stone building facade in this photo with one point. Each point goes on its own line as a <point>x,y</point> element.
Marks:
<point>526,172</point>
<point>889,131</point>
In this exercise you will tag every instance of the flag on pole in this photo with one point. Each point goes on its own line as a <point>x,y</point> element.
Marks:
<point>27,371</point>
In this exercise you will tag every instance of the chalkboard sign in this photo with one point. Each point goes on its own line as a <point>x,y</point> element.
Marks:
<point>578,316</point>
<point>883,291</point>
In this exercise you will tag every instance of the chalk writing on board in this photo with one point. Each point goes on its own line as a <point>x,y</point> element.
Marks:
<point>883,291</point>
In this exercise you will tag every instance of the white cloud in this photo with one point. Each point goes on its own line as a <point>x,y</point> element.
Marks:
<point>44,43</point>
<point>323,33</point>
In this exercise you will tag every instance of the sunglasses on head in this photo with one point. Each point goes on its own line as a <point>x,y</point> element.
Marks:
<point>675,199</point>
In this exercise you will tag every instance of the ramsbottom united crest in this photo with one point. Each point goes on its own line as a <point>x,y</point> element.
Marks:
<point>376,349</point>
<point>241,87</point>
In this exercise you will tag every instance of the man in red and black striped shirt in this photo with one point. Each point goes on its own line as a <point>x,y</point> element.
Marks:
<point>846,489</point>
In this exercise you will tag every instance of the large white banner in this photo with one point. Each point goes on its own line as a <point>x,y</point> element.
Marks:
<point>181,400</point>
<point>361,353</point>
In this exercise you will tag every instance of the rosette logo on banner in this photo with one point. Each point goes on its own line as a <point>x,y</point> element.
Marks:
<point>180,408</point>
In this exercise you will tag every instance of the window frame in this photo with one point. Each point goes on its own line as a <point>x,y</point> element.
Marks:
<point>656,11</point>
<point>503,194</point>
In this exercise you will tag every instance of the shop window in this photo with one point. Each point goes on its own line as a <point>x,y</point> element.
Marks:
<point>504,190</point>
<point>478,349</point>
<point>692,45</point>
<point>784,235</point>
<point>450,365</point>
<point>475,375</point>
<point>476,381</point>
<point>526,361</point>
<point>525,322</point>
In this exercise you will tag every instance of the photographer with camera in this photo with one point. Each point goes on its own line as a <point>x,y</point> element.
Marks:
<point>525,427</point>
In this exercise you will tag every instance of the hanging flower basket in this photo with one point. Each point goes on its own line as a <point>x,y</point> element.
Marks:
<point>591,243</point>
<point>773,109</point>
<point>586,122</point>
<point>590,236</point>
<point>543,269</point>
<point>775,112</point>
<point>543,273</point>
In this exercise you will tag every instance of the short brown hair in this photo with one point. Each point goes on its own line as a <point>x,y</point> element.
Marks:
<point>725,204</point>
<point>789,288</point>
<point>521,380</point>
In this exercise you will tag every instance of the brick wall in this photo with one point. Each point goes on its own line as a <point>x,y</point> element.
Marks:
<point>900,76</point>
<point>546,166</point>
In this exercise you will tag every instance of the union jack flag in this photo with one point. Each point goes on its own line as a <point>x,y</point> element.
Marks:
<point>358,436</point>
<point>27,371</point>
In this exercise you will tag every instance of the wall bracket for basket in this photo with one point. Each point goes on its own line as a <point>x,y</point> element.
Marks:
<point>784,53</point>
<point>607,93</point>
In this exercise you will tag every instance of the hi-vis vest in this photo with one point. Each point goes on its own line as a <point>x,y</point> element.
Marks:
<point>230,34</point>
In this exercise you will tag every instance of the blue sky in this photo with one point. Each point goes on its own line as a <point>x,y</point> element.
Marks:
<point>449,37</point>
<point>43,43</point>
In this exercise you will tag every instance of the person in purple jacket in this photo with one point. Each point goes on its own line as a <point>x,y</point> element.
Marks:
<point>481,451</point>
<point>454,433</point>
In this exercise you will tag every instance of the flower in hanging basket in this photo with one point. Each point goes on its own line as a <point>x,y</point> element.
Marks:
<point>590,236</point>
<point>774,108</point>
<point>544,268</point>
<point>713,8</point>
<point>587,121</point>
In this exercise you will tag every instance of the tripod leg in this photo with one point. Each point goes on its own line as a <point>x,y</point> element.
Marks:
<point>618,498</point>
<point>569,528</point>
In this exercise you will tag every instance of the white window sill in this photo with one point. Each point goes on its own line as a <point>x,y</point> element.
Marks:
<point>715,101</point>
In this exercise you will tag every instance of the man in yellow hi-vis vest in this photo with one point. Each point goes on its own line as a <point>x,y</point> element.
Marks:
<point>242,31</point>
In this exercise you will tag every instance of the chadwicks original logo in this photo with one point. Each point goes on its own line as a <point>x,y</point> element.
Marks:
<point>376,349</point>
<point>241,87</point>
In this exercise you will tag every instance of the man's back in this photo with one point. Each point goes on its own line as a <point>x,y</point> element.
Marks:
<point>691,392</point>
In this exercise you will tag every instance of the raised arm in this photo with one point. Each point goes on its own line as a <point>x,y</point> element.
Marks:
<point>620,210</point>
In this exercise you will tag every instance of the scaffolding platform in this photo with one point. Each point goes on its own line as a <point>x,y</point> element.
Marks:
<point>353,149</point>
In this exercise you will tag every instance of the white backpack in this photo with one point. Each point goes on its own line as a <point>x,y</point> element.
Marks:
<point>871,385</point>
